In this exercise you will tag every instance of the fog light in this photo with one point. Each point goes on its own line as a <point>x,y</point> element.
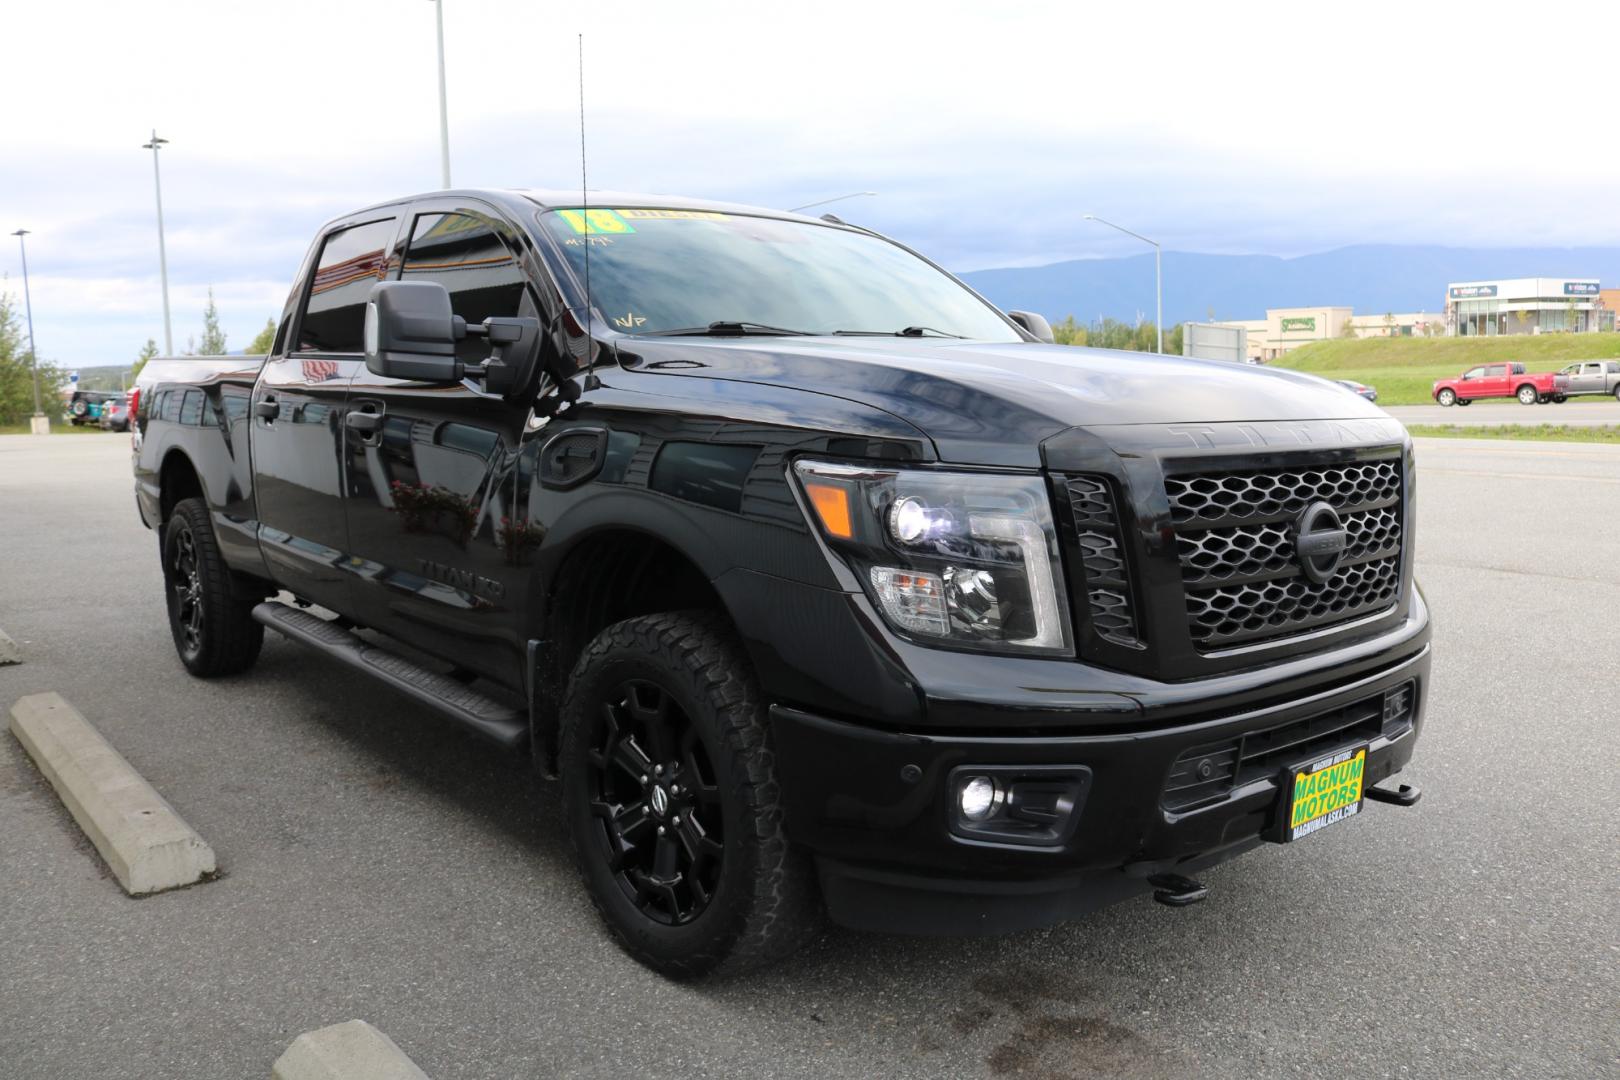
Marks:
<point>978,798</point>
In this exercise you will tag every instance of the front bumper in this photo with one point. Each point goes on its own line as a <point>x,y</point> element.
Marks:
<point>874,806</point>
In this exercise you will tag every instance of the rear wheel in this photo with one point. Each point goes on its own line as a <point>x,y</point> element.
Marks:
<point>671,797</point>
<point>1446,397</point>
<point>1528,395</point>
<point>210,618</point>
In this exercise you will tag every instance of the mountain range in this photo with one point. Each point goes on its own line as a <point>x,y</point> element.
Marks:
<point>1372,279</point>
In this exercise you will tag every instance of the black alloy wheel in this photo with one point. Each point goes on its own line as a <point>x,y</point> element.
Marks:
<point>210,609</point>
<point>672,799</point>
<point>656,803</point>
<point>185,589</point>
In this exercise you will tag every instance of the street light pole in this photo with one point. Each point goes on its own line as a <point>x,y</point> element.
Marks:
<point>39,421</point>
<point>444,108</point>
<point>163,255</point>
<point>1158,273</point>
<point>838,198</point>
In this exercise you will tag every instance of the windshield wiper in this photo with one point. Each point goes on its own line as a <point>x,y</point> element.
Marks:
<point>724,327</point>
<point>910,331</point>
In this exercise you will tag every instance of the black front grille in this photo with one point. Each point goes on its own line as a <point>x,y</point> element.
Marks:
<point>1235,541</point>
<point>1208,772</point>
<point>1102,559</point>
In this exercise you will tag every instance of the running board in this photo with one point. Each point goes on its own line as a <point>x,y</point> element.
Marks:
<point>505,725</point>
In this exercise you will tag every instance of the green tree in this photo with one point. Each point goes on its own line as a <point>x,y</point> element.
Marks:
<point>17,375</point>
<point>213,338</point>
<point>148,351</point>
<point>1347,329</point>
<point>1173,340</point>
<point>1068,332</point>
<point>266,338</point>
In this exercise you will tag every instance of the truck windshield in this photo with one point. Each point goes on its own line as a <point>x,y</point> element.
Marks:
<point>700,271</point>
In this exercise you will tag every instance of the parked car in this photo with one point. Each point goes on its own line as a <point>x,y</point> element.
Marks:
<point>818,580</point>
<point>83,407</point>
<point>1593,377</point>
<point>115,413</point>
<point>1358,388</point>
<point>1508,380</point>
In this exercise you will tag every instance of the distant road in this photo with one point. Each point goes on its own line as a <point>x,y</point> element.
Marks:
<point>1585,412</point>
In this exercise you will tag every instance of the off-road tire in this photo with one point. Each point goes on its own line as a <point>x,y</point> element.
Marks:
<point>764,905</point>
<point>222,639</point>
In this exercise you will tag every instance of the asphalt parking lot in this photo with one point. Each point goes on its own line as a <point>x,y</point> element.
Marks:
<point>378,864</point>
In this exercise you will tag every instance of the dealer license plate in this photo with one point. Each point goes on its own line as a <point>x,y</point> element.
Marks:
<point>1326,791</point>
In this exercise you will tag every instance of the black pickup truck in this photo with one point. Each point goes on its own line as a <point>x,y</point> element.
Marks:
<point>821,583</point>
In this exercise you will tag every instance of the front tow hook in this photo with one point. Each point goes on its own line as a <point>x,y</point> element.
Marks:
<point>1173,890</point>
<point>1405,795</point>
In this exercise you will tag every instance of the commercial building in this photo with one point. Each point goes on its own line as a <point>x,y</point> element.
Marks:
<point>1286,329</point>
<point>1534,305</point>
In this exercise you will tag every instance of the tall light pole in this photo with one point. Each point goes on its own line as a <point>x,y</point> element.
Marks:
<point>163,255</point>
<point>39,425</point>
<point>444,107</point>
<point>1158,273</point>
<point>836,198</point>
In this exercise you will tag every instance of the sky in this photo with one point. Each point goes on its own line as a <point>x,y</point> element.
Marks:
<point>988,131</point>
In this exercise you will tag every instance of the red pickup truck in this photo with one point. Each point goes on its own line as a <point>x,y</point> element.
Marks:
<point>1501,380</point>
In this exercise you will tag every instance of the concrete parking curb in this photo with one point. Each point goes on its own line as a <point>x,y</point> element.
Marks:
<point>9,653</point>
<point>351,1051</point>
<point>146,844</point>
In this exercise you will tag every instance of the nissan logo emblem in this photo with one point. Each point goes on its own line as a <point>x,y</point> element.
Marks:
<point>1320,541</point>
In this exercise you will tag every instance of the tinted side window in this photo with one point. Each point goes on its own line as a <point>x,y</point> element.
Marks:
<point>191,408</point>
<point>465,255</point>
<point>1474,373</point>
<point>1614,367</point>
<point>351,262</point>
<point>171,406</point>
<point>1496,370</point>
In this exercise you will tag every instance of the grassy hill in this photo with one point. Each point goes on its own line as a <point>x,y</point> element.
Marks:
<point>1403,369</point>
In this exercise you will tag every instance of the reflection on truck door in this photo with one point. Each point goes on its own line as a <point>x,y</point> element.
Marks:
<point>429,490</point>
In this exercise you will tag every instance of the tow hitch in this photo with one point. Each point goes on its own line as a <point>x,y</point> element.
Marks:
<point>1173,890</point>
<point>1405,795</point>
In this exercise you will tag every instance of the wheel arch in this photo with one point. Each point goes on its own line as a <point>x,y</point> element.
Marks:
<point>597,577</point>
<point>178,479</point>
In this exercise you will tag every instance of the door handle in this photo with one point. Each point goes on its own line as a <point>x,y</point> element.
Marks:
<point>266,408</point>
<point>367,423</point>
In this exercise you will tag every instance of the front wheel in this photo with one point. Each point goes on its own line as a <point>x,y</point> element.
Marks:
<point>1528,395</point>
<point>210,619</point>
<point>671,798</point>
<point>1447,397</point>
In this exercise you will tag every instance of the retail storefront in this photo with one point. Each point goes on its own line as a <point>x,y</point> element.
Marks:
<point>1525,306</point>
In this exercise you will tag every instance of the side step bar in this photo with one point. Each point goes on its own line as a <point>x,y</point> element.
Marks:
<point>490,718</point>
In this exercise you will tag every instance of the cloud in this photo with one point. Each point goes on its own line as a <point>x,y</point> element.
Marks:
<point>989,130</point>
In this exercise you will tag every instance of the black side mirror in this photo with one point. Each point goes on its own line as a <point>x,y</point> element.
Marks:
<point>515,352</point>
<point>411,332</point>
<point>1035,325</point>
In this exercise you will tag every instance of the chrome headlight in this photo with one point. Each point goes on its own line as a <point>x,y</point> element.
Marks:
<point>958,558</point>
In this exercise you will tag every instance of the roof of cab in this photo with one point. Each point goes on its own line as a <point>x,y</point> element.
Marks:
<point>550,198</point>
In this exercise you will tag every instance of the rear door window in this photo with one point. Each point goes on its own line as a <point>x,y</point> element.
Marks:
<point>191,408</point>
<point>352,261</point>
<point>1497,371</point>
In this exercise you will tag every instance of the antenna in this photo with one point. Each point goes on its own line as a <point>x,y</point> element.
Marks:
<point>584,193</point>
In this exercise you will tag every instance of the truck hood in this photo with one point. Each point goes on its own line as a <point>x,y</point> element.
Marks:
<point>993,404</point>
